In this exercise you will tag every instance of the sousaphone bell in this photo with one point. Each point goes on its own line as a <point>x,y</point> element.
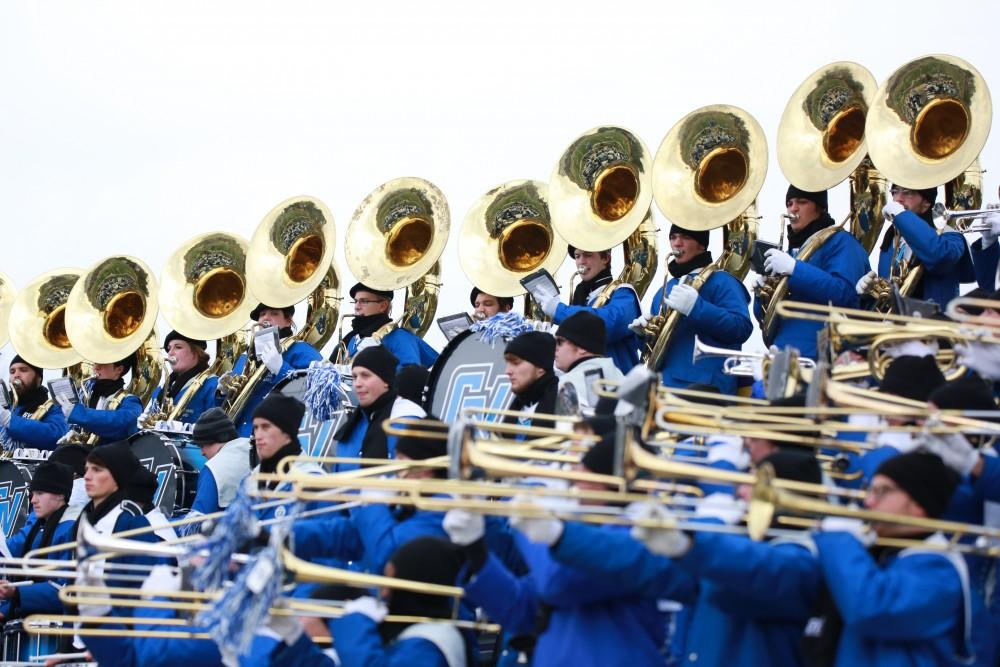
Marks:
<point>37,321</point>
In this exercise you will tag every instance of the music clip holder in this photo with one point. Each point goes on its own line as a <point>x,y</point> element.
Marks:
<point>64,388</point>
<point>540,284</point>
<point>266,337</point>
<point>757,253</point>
<point>452,325</point>
<point>904,305</point>
<point>6,400</point>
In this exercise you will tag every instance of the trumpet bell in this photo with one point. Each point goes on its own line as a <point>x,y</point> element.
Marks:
<point>37,320</point>
<point>826,117</point>
<point>7,295</point>
<point>111,309</point>
<point>203,287</point>
<point>290,252</point>
<point>709,167</point>
<point>397,233</point>
<point>929,121</point>
<point>600,190</point>
<point>508,234</point>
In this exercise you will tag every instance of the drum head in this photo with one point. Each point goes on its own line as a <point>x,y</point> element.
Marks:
<point>469,373</point>
<point>160,457</point>
<point>315,435</point>
<point>14,501</point>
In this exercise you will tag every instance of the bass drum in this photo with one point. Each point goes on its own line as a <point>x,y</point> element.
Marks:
<point>316,435</point>
<point>177,482</point>
<point>468,374</point>
<point>14,495</point>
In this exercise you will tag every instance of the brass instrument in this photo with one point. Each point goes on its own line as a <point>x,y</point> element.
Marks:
<point>37,322</point>
<point>869,194</point>
<point>507,235</point>
<point>962,220</point>
<point>739,362</point>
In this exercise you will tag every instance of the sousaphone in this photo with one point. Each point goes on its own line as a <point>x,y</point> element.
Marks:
<point>929,121</point>
<point>37,321</point>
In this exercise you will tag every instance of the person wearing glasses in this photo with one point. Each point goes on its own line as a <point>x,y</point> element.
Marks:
<point>913,237</point>
<point>372,325</point>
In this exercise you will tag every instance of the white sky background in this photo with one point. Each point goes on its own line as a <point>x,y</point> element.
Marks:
<point>129,127</point>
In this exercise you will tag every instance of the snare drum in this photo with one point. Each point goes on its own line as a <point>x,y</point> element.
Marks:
<point>21,646</point>
<point>177,482</point>
<point>14,495</point>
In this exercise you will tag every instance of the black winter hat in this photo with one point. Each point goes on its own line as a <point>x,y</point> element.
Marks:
<point>966,393</point>
<point>118,458</point>
<point>585,330</point>
<point>283,411</point>
<point>174,335</point>
<point>571,251</point>
<point>410,382</point>
<point>141,488</point>
<point>701,237</point>
<point>418,448</point>
<point>924,477</point>
<point>536,347</point>
<point>600,458</point>
<point>128,362</point>
<point>18,359</point>
<point>432,560</point>
<point>912,377</point>
<point>794,465</point>
<point>72,455</point>
<point>601,424</point>
<point>379,360</point>
<point>818,198</point>
<point>506,302</point>
<point>289,311</point>
<point>213,426</point>
<point>361,287</point>
<point>53,477</point>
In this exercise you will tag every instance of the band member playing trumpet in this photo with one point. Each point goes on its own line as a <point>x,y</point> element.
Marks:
<point>718,313</point>
<point>827,276</point>
<point>913,240</point>
<point>110,412</point>
<point>188,358</point>
<point>23,423</point>
<point>485,306</point>
<point>618,309</point>
<point>372,325</point>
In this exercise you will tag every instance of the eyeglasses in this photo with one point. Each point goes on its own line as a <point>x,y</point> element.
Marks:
<point>882,490</point>
<point>902,191</point>
<point>366,302</point>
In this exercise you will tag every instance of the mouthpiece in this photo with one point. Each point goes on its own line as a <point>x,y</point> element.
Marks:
<point>478,316</point>
<point>171,360</point>
<point>791,217</point>
<point>17,383</point>
<point>675,253</point>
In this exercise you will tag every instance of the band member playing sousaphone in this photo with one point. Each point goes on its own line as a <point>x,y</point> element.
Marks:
<point>485,306</point>
<point>27,423</point>
<point>110,411</point>
<point>188,358</point>
<point>372,325</point>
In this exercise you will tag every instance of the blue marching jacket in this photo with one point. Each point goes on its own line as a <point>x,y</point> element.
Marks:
<point>152,651</point>
<point>409,348</point>
<point>945,257</point>
<point>38,433</point>
<point>618,313</point>
<point>985,264</point>
<point>204,399</point>
<point>297,357</point>
<point>110,425</point>
<point>42,596</point>
<point>829,276</point>
<point>720,317</point>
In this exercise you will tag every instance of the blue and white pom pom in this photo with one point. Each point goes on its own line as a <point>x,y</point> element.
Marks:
<point>7,441</point>
<point>502,326</point>
<point>324,391</point>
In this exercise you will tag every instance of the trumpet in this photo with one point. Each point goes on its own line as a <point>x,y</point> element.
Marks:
<point>964,219</point>
<point>738,362</point>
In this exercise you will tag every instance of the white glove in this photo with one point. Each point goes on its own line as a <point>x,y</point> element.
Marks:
<point>91,574</point>
<point>990,235</point>
<point>272,359</point>
<point>911,348</point>
<point>162,578</point>
<point>464,527</point>
<point>983,358</point>
<point>682,298</point>
<point>954,449</point>
<point>891,210</point>
<point>902,442</point>
<point>638,325</point>
<point>548,304</point>
<point>224,381</point>
<point>856,527</point>
<point>65,405</point>
<point>289,628</point>
<point>865,282</point>
<point>669,542</point>
<point>4,417</point>
<point>544,530</point>
<point>759,282</point>
<point>778,263</point>
<point>371,607</point>
<point>722,506</point>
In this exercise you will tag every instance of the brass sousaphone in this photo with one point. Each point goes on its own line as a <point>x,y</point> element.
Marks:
<point>395,239</point>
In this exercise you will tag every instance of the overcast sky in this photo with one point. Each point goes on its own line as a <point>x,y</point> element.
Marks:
<point>128,127</point>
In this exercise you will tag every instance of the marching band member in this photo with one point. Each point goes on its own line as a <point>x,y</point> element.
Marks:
<point>47,525</point>
<point>945,257</point>
<point>485,306</point>
<point>298,356</point>
<point>110,424</point>
<point>188,358</point>
<point>986,253</point>
<point>74,455</point>
<point>580,355</point>
<point>141,490</point>
<point>373,325</point>
<point>621,307</point>
<point>21,423</point>
<point>227,461</point>
<point>530,358</point>
<point>374,371</point>
<point>828,276</point>
<point>718,314</point>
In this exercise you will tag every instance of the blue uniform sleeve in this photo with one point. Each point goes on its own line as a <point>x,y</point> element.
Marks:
<point>39,433</point>
<point>910,599</point>
<point>39,598</point>
<point>984,263</point>
<point>381,534</point>
<point>113,651</point>
<point>116,424</point>
<point>619,312</point>
<point>988,483</point>
<point>405,347</point>
<point>206,499</point>
<point>508,600</point>
<point>303,653</point>
<point>16,542</point>
<point>937,252</point>
<point>725,317</point>
<point>359,644</point>
<point>813,284</point>
<point>327,537</point>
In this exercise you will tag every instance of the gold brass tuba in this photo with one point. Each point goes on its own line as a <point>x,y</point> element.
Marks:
<point>290,258</point>
<point>706,174</point>
<point>395,239</point>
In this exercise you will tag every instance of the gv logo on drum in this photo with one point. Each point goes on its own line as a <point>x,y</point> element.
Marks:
<point>475,386</point>
<point>12,502</point>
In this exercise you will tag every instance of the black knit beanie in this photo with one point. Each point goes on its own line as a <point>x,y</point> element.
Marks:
<point>283,411</point>
<point>700,237</point>
<point>289,311</point>
<point>175,335</point>
<point>361,287</point>
<point>924,477</point>
<point>118,458</point>
<point>505,302</point>
<point>912,377</point>
<point>379,360</point>
<point>536,347</point>
<point>18,359</point>
<point>966,393</point>
<point>213,426</point>
<point>794,465</point>
<point>600,458</point>
<point>141,488</point>
<point>73,455</point>
<point>52,477</point>
<point>585,330</point>
<point>818,198</point>
<point>419,448</point>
